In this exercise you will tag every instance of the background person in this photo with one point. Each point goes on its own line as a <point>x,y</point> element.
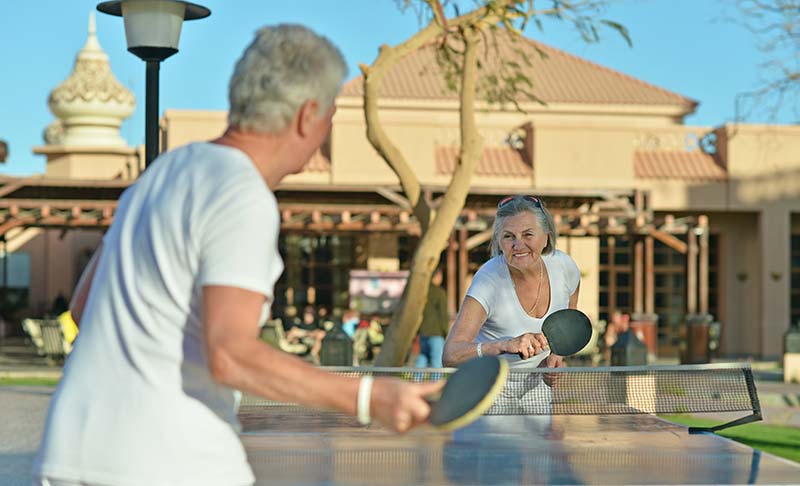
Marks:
<point>308,331</point>
<point>526,280</point>
<point>435,325</point>
<point>171,302</point>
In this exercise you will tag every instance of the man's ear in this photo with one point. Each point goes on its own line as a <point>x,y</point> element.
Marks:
<point>306,116</point>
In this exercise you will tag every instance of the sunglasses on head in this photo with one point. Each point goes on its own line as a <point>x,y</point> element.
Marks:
<point>533,199</point>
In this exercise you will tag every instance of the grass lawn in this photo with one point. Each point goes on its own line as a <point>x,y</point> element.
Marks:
<point>783,441</point>
<point>6,381</point>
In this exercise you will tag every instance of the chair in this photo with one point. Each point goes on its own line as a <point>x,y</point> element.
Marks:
<point>273,334</point>
<point>48,338</point>
<point>55,346</point>
<point>34,330</point>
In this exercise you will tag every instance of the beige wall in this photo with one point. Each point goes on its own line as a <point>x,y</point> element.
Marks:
<point>102,163</point>
<point>740,282</point>
<point>180,127</point>
<point>586,253</point>
<point>575,148</point>
<point>54,264</point>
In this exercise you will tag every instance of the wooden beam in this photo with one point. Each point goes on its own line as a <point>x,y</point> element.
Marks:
<point>669,240</point>
<point>452,292</point>
<point>10,224</point>
<point>691,272</point>
<point>350,226</point>
<point>649,275</point>
<point>394,197</point>
<point>703,264</point>
<point>638,276</point>
<point>5,191</point>
<point>477,240</point>
<point>56,203</point>
<point>612,275</point>
<point>463,262</point>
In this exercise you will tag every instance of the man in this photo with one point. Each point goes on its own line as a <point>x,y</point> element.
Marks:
<point>435,325</point>
<point>170,305</point>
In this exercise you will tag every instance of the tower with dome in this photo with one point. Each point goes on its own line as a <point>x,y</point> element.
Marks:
<point>90,105</point>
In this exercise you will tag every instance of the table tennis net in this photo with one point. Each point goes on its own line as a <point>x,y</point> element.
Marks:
<point>605,391</point>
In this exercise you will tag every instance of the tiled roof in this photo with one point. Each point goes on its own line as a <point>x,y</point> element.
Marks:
<point>495,161</point>
<point>319,162</point>
<point>559,78</point>
<point>677,164</point>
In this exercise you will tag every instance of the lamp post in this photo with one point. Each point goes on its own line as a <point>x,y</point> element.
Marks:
<point>152,30</point>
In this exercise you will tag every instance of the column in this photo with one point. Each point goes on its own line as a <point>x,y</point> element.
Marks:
<point>775,236</point>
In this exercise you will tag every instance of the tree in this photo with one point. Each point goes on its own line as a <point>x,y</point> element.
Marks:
<point>775,24</point>
<point>461,42</point>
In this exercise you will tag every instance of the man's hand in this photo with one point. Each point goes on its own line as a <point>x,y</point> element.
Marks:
<point>400,405</point>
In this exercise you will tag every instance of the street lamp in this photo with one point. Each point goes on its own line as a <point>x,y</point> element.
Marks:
<point>152,30</point>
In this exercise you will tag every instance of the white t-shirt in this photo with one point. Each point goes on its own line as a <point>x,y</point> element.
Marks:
<point>137,404</point>
<point>494,290</point>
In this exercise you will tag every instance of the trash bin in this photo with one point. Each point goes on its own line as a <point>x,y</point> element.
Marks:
<point>628,350</point>
<point>645,326</point>
<point>337,349</point>
<point>791,354</point>
<point>696,345</point>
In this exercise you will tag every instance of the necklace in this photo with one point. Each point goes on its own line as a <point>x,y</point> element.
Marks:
<point>538,288</point>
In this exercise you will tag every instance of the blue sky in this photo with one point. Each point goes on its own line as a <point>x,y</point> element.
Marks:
<point>680,45</point>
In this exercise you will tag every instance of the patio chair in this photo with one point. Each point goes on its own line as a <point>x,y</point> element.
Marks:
<point>273,334</point>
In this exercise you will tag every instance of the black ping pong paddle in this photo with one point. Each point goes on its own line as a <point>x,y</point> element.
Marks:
<point>469,392</point>
<point>567,331</point>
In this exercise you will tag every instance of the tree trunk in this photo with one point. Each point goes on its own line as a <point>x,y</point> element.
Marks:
<point>406,321</point>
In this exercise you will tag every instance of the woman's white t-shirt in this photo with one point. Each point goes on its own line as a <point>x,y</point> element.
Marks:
<point>493,289</point>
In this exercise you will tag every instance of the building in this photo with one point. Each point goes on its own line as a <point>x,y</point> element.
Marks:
<point>664,219</point>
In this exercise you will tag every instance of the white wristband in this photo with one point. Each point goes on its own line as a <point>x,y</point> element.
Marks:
<point>364,395</point>
<point>478,349</point>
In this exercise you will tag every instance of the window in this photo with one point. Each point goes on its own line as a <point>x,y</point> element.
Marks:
<point>616,275</point>
<point>321,262</point>
<point>795,279</point>
<point>713,276</point>
<point>670,294</point>
<point>15,287</point>
<point>406,246</point>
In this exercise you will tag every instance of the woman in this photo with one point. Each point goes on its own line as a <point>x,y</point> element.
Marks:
<point>526,280</point>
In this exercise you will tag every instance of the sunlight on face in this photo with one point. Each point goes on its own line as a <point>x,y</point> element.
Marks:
<point>522,241</point>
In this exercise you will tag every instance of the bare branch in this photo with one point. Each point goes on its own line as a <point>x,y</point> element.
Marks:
<point>775,26</point>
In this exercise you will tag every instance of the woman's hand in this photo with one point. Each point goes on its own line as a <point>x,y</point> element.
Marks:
<point>552,361</point>
<point>526,345</point>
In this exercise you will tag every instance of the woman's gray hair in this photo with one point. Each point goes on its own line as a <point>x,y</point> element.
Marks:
<point>285,66</point>
<point>520,204</point>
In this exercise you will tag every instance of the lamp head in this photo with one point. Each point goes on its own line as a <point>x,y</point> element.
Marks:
<point>153,27</point>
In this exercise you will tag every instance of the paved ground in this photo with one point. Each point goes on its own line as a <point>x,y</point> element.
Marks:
<point>24,410</point>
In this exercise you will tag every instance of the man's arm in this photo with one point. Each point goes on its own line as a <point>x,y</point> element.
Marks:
<point>81,292</point>
<point>238,359</point>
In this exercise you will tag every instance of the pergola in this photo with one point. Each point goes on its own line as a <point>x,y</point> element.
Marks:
<point>85,204</point>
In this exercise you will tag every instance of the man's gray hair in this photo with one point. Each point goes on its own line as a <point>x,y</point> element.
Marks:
<point>520,204</point>
<point>285,66</point>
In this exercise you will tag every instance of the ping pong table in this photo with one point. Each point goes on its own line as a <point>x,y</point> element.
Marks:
<point>288,444</point>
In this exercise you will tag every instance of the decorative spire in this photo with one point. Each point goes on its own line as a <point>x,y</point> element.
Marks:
<point>91,103</point>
